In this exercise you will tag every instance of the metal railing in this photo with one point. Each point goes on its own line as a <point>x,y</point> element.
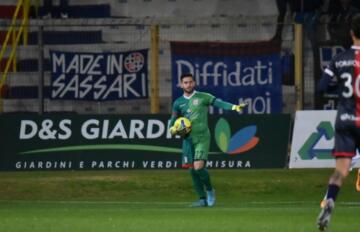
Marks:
<point>15,31</point>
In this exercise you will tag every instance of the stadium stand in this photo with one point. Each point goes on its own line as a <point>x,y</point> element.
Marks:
<point>102,26</point>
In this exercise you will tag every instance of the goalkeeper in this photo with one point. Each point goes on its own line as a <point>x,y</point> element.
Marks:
<point>194,106</point>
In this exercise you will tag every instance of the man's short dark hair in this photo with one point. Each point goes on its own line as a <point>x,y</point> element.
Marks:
<point>186,75</point>
<point>355,25</point>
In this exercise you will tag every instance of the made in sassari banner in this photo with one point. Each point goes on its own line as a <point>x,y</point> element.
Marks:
<point>99,76</point>
<point>99,142</point>
<point>234,72</point>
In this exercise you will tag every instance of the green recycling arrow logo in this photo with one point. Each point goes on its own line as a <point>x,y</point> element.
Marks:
<point>308,151</point>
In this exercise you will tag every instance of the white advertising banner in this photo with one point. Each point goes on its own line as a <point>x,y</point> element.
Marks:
<point>313,140</point>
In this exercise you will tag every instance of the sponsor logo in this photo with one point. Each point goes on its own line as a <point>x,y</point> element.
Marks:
<point>94,129</point>
<point>242,141</point>
<point>309,151</point>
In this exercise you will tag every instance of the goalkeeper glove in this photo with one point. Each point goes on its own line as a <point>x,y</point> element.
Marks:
<point>182,132</point>
<point>240,107</point>
<point>173,130</point>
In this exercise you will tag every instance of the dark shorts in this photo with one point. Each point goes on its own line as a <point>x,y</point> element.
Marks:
<point>347,140</point>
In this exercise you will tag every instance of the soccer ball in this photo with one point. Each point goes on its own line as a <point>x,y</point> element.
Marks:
<point>183,125</point>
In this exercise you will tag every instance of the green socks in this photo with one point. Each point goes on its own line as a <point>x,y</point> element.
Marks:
<point>200,179</point>
<point>198,185</point>
<point>205,178</point>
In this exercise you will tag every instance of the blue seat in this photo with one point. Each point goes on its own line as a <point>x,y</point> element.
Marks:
<point>67,37</point>
<point>79,11</point>
<point>90,11</point>
<point>31,65</point>
<point>27,92</point>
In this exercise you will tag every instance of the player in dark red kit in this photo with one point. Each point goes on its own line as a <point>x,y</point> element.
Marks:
<point>343,73</point>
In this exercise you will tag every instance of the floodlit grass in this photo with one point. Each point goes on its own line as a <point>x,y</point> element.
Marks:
<point>248,200</point>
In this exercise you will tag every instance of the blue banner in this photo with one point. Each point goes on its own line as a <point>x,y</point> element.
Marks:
<point>99,76</point>
<point>234,72</point>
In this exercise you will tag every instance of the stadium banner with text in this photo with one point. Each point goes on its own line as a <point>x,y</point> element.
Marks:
<point>234,72</point>
<point>327,50</point>
<point>99,76</point>
<point>313,140</point>
<point>98,142</point>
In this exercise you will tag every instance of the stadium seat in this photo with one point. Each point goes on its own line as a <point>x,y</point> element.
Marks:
<point>67,37</point>
<point>61,37</point>
<point>84,11</point>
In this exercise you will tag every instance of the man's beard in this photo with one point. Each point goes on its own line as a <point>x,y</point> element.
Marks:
<point>189,91</point>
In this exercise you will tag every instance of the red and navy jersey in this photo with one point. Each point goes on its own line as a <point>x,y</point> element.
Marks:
<point>344,73</point>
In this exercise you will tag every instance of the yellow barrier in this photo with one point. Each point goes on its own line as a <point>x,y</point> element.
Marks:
<point>299,86</point>
<point>15,32</point>
<point>154,104</point>
<point>10,30</point>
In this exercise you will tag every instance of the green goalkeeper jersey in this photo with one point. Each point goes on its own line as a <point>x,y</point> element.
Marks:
<point>196,108</point>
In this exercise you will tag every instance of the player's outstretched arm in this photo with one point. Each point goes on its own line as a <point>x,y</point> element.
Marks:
<point>228,106</point>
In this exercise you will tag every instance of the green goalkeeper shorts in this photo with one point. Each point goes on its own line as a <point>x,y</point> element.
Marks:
<point>201,150</point>
<point>195,151</point>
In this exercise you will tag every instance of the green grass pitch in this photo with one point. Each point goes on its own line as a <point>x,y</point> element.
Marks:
<point>248,200</point>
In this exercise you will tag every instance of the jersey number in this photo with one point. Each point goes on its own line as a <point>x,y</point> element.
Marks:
<point>349,91</point>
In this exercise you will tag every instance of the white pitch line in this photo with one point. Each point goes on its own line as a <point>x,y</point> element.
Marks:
<point>265,203</point>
